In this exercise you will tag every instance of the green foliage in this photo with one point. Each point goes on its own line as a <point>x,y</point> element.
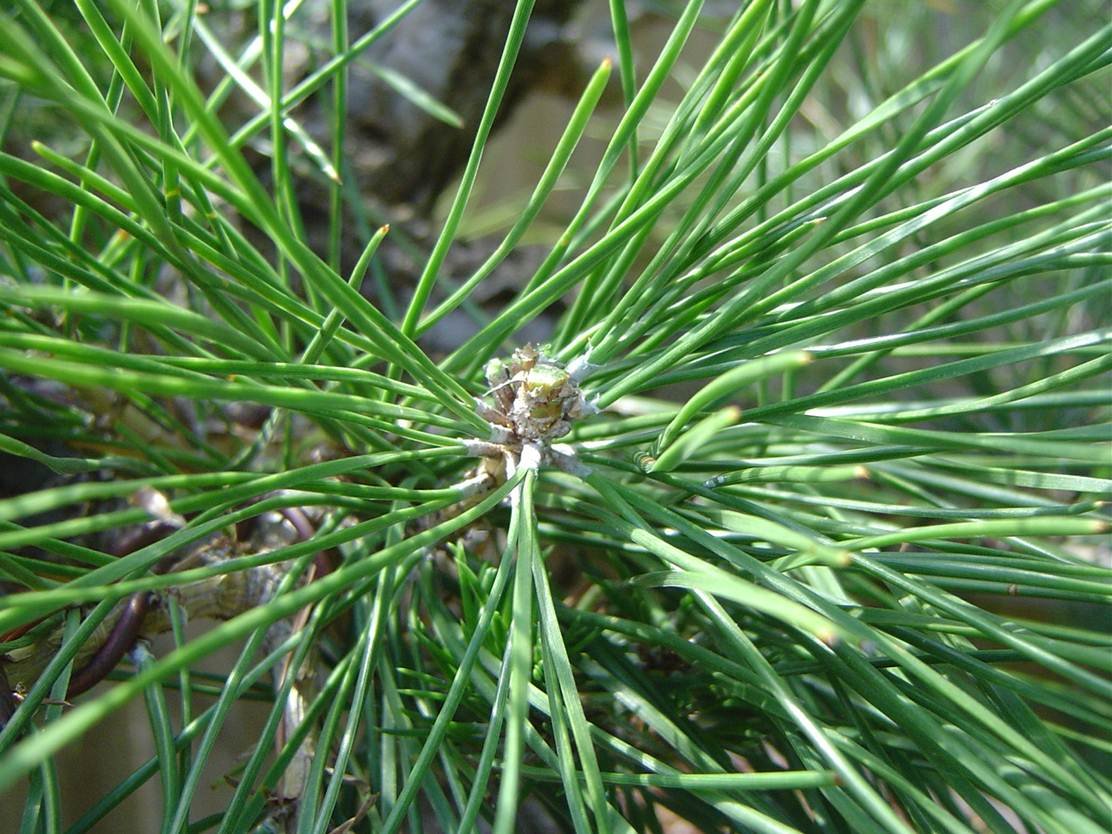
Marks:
<point>823,560</point>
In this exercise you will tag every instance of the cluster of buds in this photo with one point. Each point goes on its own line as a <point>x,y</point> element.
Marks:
<point>535,400</point>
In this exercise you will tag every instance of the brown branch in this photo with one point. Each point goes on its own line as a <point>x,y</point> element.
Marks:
<point>216,598</point>
<point>141,617</point>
